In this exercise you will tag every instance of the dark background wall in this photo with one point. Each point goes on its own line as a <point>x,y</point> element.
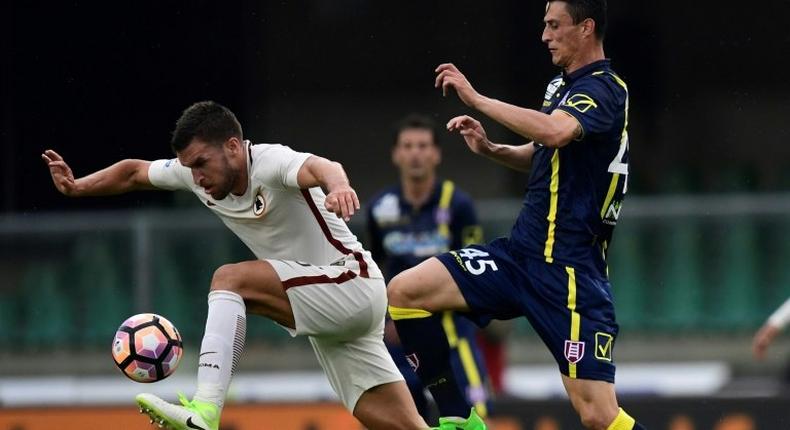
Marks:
<point>101,81</point>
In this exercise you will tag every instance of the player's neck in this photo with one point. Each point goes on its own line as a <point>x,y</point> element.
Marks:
<point>417,191</point>
<point>242,181</point>
<point>586,57</point>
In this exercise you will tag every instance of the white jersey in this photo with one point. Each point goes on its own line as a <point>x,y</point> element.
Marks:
<point>275,218</point>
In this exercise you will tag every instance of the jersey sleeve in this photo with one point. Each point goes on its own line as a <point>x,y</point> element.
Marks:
<point>277,166</point>
<point>595,103</point>
<point>465,227</point>
<point>169,175</point>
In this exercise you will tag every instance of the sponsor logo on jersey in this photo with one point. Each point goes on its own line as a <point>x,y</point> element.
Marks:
<point>603,346</point>
<point>418,244</point>
<point>259,205</point>
<point>170,162</point>
<point>552,88</point>
<point>413,361</point>
<point>613,213</point>
<point>458,260</point>
<point>574,351</point>
<point>580,102</point>
<point>387,210</point>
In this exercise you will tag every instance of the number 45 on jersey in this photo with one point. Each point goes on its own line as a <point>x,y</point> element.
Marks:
<point>473,263</point>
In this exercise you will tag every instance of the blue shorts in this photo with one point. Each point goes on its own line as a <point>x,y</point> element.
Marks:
<point>572,311</point>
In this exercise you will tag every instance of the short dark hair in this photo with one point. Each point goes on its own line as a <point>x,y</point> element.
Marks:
<point>580,10</point>
<point>415,120</point>
<point>208,121</point>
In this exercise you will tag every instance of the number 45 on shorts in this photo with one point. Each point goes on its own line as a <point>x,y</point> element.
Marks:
<point>471,258</point>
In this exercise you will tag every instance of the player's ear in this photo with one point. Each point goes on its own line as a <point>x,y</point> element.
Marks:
<point>588,27</point>
<point>233,145</point>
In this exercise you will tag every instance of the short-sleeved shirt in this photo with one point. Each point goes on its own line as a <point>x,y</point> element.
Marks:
<point>275,218</point>
<point>402,236</point>
<point>575,192</point>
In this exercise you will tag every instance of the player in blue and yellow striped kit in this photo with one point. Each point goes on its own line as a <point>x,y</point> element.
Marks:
<point>418,218</point>
<point>552,269</point>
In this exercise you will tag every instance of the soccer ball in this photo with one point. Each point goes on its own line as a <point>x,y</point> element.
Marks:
<point>147,348</point>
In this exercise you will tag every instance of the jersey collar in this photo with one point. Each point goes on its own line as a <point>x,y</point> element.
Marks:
<point>586,70</point>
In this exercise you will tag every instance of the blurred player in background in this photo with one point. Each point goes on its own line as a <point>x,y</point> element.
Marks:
<point>553,267</point>
<point>421,217</point>
<point>312,277</point>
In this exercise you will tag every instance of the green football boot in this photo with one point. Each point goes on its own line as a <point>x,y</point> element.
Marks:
<point>474,422</point>
<point>191,415</point>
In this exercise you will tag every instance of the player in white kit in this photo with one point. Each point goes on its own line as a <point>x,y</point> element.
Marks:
<point>312,276</point>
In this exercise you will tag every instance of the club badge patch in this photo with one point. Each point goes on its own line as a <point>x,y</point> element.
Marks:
<point>259,205</point>
<point>574,351</point>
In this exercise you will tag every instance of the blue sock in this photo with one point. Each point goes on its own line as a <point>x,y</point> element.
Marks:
<point>425,345</point>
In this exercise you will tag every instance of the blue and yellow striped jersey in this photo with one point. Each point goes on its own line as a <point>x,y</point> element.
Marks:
<point>401,236</point>
<point>574,193</point>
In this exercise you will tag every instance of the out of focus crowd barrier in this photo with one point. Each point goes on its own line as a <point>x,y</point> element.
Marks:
<point>654,413</point>
<point>695,263</point>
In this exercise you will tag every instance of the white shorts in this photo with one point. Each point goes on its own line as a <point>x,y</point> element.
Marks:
<point>343,316</point>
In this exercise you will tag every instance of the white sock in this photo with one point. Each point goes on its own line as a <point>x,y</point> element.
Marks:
<point>223,341</point>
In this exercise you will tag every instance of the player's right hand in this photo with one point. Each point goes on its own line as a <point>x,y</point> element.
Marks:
<point>61,173</point>
<point>342,201</point>
<point>448,76</point>
<point>473,133</point>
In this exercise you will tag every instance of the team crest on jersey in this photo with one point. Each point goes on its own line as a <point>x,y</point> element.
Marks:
<point>580,102</point>
<point>442,216</point>
<point>413,361</point>
<point>259,205</point>
<point>574,351</point>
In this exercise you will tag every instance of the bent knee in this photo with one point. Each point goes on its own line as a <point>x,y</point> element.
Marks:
<point>403,293</point>
<point>228,277</point>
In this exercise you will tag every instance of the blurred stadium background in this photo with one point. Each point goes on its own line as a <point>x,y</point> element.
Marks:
<point>698,263</point>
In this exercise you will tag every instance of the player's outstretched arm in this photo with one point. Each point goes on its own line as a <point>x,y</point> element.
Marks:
<point>769,331</point>
<point>341,198</point>
<point>121,177</point>
<point>516,157</point>
<point>553,130</point>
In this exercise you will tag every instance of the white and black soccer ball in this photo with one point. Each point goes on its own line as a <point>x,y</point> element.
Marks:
<point>147,348</point>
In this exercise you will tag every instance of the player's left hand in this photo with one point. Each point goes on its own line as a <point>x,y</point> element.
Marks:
<point>764,337</point>
<point>450,77</point>
<point>342,201</point>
